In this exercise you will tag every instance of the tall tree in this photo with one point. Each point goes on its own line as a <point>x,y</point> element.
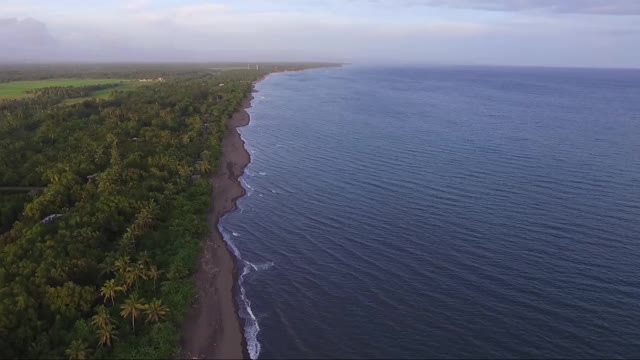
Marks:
<point>134,274</point>
<point>102,319</point>
<point>106,335</point>
<point>155,311</point>
<point>109,290</point>
<point>77,350</point>
<point>144,258</point>
<point>145,218</point>
<point>132,308</point>
<point>204,167</point>
<point>154,274</point>
<point>121,265</point>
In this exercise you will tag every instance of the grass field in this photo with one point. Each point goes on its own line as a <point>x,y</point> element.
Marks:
<point>18,89</point>
<point>106,93</point>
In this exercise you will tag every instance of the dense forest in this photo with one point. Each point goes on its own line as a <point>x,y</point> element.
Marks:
<point>103,207</point>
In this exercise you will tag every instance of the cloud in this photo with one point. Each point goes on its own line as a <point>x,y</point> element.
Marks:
<point>596,7</point>
<point>200,10</point>
<point>420,31</point>
<point>137,5</point>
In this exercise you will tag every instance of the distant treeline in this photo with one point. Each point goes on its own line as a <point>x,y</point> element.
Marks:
<point>99,263</point>
<point>16,72</point>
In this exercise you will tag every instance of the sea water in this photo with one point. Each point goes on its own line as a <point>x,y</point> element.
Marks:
<point>442,212</point>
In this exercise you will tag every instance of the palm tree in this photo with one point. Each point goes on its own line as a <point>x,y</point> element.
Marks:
<point>135,273</point>
<point>109,290</point>
<point>131,308</point>
<point>102,319</point>
<point>130,278</point>
<point>204,167</point>
<point>77,350</point>
<point>106,335</point>
<point>107,267</point>
<point>39,347</point>
<point>154,274</point>
<point>121,265</point>
<point>141,270</point>
<point>155,311</point>
<point>128,241</point>
<point>145,218</point>
<point>144,258</point>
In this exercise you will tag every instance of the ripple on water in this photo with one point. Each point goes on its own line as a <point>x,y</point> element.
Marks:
<point>477,212</point>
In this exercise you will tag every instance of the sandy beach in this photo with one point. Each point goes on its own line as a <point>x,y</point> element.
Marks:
<point>213,329</point>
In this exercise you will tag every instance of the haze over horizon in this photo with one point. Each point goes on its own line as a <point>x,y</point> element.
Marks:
<point>587,33</point>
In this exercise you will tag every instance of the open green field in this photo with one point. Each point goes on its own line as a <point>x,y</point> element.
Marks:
<point>18,89</point>
<point>106,93</point>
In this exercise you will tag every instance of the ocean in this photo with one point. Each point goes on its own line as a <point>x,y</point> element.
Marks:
<point>441,212</point>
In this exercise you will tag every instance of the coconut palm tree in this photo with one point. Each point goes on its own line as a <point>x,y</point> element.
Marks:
<point>155,311</point>
<point>121,265</point>
<point>144,258</point>
<point>132,308</point>
<point>107,266</point>
<point>77,350</point>
<point>204,167</point>
<point>140,271</point>
<point>128,241</point>
<point>109,290</point>
<point>130,278</point>
<point>154,274</point>
<point>134,274</point>
<point>145,218</point>
<point>140,268</point>
<point>102,319</point>
<point>106,335</point>
<point>39,347</point>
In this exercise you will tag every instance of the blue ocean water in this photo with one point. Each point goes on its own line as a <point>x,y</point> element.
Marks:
<point>442,212</point>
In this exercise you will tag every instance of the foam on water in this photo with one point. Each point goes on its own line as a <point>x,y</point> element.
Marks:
<point>260,267</point>
<point>248,187</point>
<point>251,326</point>
<point>251,323</point>
<point>253,173</point>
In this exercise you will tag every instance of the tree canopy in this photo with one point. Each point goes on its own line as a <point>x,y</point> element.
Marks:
<point>117,216</point>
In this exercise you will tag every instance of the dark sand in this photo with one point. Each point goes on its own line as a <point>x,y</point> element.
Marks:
<point>212,329</point>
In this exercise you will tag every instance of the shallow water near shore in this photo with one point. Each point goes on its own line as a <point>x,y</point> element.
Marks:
<point>441,212</point>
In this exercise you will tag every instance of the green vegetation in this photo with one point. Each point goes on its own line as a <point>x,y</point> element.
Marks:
<point>99,262</point>
<point>17,89</point>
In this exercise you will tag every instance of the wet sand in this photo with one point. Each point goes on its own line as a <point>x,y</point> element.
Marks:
<point>213,328</point>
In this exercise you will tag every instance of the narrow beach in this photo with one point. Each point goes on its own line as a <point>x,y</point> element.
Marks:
<point>213,329</point>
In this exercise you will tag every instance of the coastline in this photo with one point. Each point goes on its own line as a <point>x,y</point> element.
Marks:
<point>213,327</point>
<point>213,324</point>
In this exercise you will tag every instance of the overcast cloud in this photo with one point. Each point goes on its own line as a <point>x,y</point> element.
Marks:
<point>603,7</point>
<point>517,32</point>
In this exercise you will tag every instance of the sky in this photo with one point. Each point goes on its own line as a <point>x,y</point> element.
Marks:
<point>580,33</point>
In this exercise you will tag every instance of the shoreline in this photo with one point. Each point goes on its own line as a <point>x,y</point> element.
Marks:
<point>213,323</point>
